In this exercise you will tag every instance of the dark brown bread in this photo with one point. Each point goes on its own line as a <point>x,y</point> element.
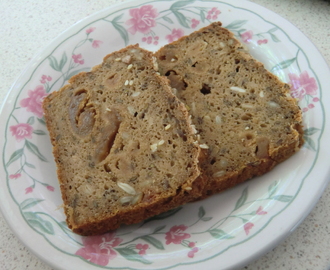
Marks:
<point>246,118</point>
<point>123,144</point>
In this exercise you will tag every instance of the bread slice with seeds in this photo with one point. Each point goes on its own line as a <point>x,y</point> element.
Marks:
<point>245,116</point>
<point>123,144</point>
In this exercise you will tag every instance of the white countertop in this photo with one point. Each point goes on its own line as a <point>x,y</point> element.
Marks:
<point>27,26</point>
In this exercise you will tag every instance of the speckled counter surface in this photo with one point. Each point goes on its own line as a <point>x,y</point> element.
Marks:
<point>27,26</point>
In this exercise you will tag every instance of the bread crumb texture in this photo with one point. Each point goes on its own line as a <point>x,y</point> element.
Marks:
<point>123,144</point>
<point>243,113</point>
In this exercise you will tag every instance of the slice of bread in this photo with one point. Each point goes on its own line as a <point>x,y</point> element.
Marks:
<point>246,118</point>
<point>123,144</point>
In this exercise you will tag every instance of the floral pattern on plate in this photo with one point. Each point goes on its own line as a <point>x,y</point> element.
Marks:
<point>199,231</point>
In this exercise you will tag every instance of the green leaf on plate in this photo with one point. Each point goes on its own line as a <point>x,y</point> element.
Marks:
<point>30,165</point>
<point>15,156</point>
<point>132,255</point>
<point>153,241</point>
<point>30,121</point>
<point>220,234</point>
<point>282,198</point>
<point>309,143</point>
<point>201,212</point>
<point>272,30</point>
<point>39,132</point>
<point>37,222</point>
<point>53,63</point>
<point>274,38</point>
<point>28,203</point>
<point>41,121</point>
<point>180,4</point>
<point>63,61</point>
<point>122,31</point>
<point>284,64</point>
<point>310,131</point>
<point>236,24</point>
<point>159,228</point>
<point>202,15</point>
<point>35,150</point>
<point>117,18</point>
<point>272,189</point>
<point>164,215</point>
<point>181,18</point>
<point>206,218</point>
<point>240,31</point>
<point>242,199</point>
<point>167,19</point>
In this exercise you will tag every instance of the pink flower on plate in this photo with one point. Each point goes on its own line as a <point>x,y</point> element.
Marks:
<point>15,176</point>
<point>260,211</point>
<point>142,248</point>
<point>262,41</point>
<point>96,43</point>
<point>90,30</point>
<point>50,188</point>
<point>302,85</point>
<point>191,244</point>
<point>176,234</point>
<point>176,34</point>
<point>28,190</point>
<point>143,19</point>
<point>77,59</point>
<point>45,78</point>
<point>194,23</point>
<point>213,14</point>
<point>247,36</point>
<point>247,227</point>
<point>192,252</point>
<point>21,131</point>
<point>99,249</point>
<point>34,102</point>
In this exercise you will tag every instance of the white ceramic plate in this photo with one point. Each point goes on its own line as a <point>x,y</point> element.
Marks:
<point>225,231</point>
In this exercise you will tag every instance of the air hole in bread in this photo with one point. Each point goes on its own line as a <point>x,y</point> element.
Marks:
<point>213,160</point>
<point>249,136</point>
<point>176,81</point>
<point>107,167</point>
<point>206,89</point>
<point>182,135</point>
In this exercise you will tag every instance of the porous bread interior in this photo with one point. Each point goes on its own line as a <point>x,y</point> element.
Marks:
<point>122,142</point>
<point>246,118</point>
